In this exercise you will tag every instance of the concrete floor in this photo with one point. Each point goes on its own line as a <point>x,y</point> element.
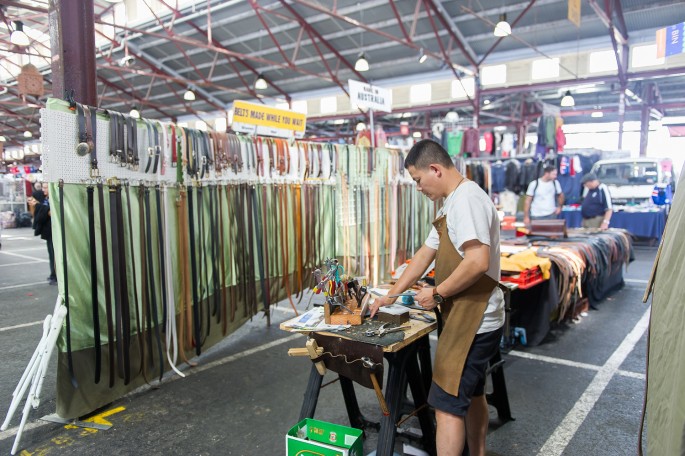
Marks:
<point>578,393</point>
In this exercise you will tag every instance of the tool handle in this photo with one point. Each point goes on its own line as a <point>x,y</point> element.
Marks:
<point>379,394</point>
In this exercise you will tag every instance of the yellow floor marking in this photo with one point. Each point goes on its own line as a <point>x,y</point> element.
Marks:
<point>97,419</point>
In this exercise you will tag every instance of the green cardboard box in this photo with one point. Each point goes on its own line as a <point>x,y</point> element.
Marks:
<point>312,437</point>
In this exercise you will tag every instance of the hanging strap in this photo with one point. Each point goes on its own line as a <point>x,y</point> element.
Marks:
<point>108,293</point>
<point>95,302</point>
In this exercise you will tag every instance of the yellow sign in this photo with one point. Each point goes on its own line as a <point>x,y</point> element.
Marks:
<point>574,12</point>
<point>265,120</point>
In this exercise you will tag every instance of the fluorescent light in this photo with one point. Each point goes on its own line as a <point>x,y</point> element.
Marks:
<point>502,28</point>
<point>361,64</point>
<point>597,114</point>
<point>134,113</point>
<point>260,83</point>
<point>189,95</point>
<point>18,36</point>
<point>422,56</point>
<point>567,101</point>
<point>28,134</point>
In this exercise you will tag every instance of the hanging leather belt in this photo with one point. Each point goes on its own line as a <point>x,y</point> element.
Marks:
<point>214,252</point>
<point>108,292</point>
<point>202,265</point>
<point>222,259</point>
<point>94,284</point>
<point>194,273</point>
<point>65,269</point>
<point>162,257</point>
<point>265,248</point>
<point>152,285</point>
<point>232,245</point>
<point>139,329</point>
<point>132,156</point>
<point>251,279</point>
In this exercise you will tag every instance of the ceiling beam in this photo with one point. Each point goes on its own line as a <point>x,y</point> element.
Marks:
<point>454,31</point>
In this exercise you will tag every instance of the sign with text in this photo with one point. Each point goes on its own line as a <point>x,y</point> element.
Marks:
<point>267,121</point>
<point>670,40</point>
<point>371,97</point>
<point>574,12</point>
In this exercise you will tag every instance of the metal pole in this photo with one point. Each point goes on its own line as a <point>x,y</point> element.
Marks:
<point>644,120</point>
<point>373,133</point>
<point>72,40</point>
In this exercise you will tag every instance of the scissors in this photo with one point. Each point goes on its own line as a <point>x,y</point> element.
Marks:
<point>383,330</point>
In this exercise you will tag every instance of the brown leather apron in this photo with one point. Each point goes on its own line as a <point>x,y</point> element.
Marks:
<point>462,313</point>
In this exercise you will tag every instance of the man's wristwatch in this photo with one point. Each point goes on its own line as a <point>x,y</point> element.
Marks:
<point>437,297</point>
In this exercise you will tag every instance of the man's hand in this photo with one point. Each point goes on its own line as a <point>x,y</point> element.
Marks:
<point>425,298</point>
<point>526,220</point>
<point>378,303</point>
<point>557,211</point>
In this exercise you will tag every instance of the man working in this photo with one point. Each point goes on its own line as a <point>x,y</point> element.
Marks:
<point>596,207</point>
<point>544,198</point>
<point>465,245</point>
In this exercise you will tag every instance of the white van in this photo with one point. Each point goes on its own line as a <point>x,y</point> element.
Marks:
<point>632,180</point>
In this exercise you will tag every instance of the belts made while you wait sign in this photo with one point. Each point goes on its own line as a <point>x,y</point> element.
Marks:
<point>267,121</point>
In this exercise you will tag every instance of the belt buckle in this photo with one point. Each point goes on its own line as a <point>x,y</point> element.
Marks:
<point>151,151</point>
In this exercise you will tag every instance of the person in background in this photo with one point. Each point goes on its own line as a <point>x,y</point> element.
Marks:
<point>596,207</point>
<point>466,247</point>
<point>42,226</point>
<point>544,198</point>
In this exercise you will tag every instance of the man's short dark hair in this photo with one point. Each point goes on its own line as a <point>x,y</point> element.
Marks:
<point>549,168</point>
<point>425,153</point>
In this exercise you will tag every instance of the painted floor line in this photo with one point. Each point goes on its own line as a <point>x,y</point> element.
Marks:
<point>562,435</point>
<point>23,285</point>
<point>23,325</point>
<point>19,264</point>
<point>172,377</point>
<point>565,362</point>
<point>19,255</point>
<point>640,281</point>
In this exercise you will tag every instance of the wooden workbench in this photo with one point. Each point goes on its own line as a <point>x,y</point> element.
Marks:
<point>409,364</point>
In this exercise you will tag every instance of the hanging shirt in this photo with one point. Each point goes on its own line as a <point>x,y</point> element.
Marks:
<point>471,142</point>
<point>561,139</point>
<point>454,143</point>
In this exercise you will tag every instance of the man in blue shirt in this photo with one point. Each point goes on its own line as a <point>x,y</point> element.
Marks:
<point>596,208</point>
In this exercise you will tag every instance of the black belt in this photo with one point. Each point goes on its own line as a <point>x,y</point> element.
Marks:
<point>202,265</point>
<point>152,285</point>
<point>94,285</point>
<point>193,269</point>
<point>214,251</point>
<point>132,156</point>
<point>65,269</point>
<point>139,330</point>
<point>162,254</point>
<point>105,271</point>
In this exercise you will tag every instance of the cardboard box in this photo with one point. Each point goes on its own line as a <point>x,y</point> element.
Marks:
<point>313,437</point>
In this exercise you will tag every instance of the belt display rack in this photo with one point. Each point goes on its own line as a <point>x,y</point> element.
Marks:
<point>171,238</point>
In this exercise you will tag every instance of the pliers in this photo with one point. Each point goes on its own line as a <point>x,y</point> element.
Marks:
<point>382,331</point>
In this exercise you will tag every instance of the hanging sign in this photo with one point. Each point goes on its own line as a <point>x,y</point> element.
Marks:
<point>264,120</point>
<point>670,40</point>
<point>370,97</point>
<point>574,12</point>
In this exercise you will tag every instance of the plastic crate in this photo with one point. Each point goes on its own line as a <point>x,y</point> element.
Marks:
<point>525,279</point>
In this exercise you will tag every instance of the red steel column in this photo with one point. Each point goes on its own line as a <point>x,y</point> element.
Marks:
<point>72,40</point>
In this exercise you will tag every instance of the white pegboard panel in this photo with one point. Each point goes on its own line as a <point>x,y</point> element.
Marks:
<point>59,133</point>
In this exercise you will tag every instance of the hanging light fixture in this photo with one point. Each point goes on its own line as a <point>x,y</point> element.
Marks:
<point>28,134</point>
<point>361,64</point>
<point>134,113</point>
<point>18,36</point>
<point>361,126</point>
<point>2,138</point>
<point>260,83</point>
<point>502,28</point>
<point>189,95</point>
<point>567,101</point>
<point>422,56</point>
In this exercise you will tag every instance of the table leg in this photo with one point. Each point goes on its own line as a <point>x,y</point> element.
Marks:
<point>424,353</point>
<point>311,395</point>
<point>418,392</point>
<point>357,420</point>
<point>397,377</point>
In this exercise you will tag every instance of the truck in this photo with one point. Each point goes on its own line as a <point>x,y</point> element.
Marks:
<point>633,180</point>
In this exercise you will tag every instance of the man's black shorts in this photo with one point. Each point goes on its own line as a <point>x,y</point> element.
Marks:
<point>472,378</point>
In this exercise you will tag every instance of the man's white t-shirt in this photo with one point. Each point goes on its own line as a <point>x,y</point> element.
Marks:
<point>544,197</point>
<point>471,215</point>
